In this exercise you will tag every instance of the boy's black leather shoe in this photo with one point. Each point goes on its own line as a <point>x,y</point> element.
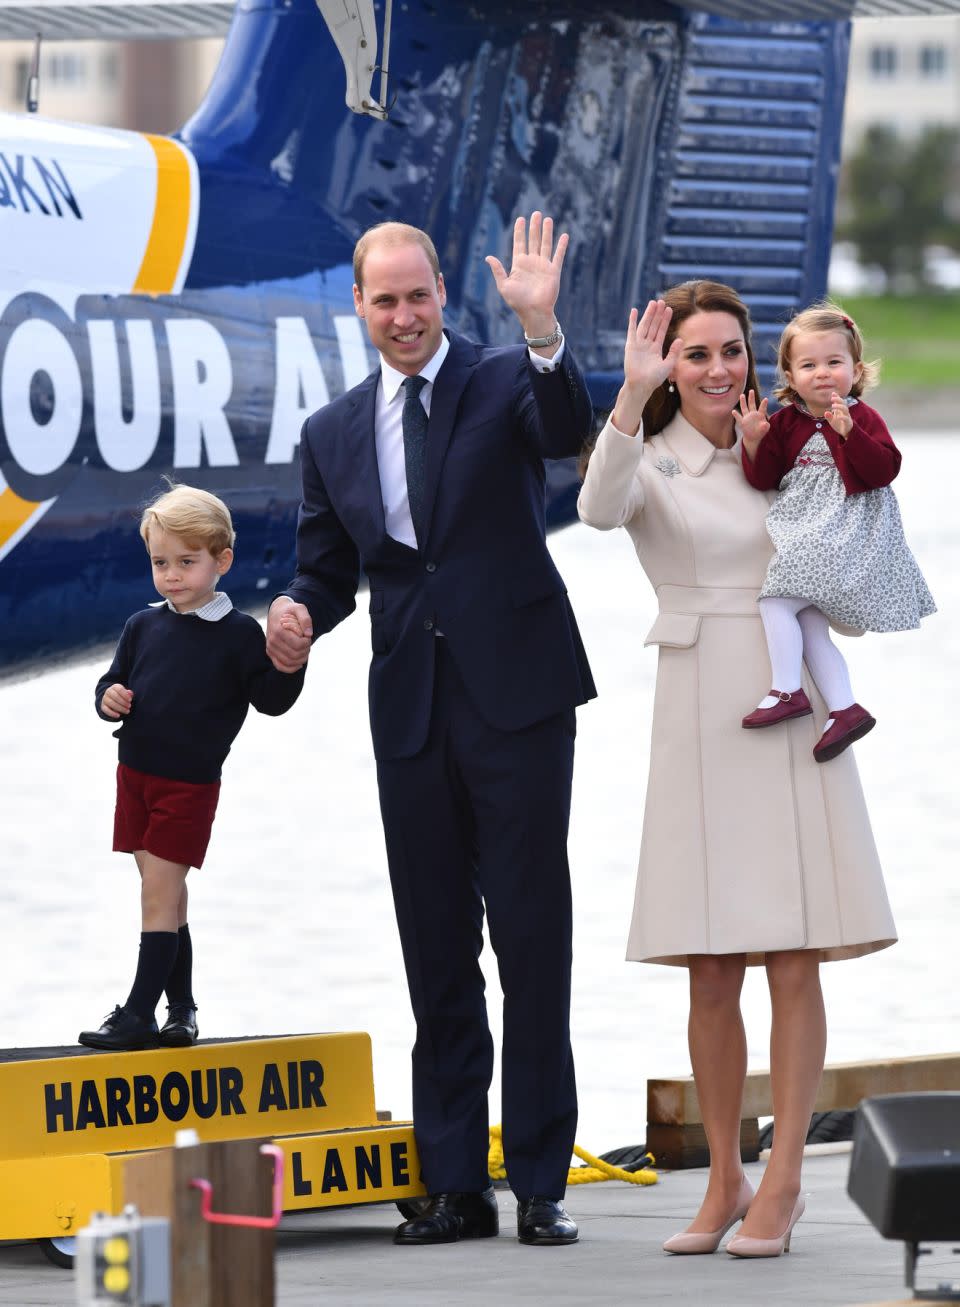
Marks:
<point>543,1221</point>
<point>122,1031</point>
<point>180,1027</point>
<point>449,1217</point>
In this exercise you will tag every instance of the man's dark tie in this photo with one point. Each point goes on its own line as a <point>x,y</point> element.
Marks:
<point>415,451</point>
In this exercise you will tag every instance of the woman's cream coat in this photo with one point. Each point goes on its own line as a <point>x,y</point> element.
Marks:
<point>749,845</point>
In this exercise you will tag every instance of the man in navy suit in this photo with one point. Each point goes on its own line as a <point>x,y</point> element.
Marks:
<point>430,473</point>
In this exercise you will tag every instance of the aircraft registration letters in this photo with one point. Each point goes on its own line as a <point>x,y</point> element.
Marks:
<point>36,185</point>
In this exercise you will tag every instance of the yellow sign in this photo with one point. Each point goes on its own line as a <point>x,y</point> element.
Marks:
<point>363,1166</point>
<point>45,1197</point>
<point>117,1102</point>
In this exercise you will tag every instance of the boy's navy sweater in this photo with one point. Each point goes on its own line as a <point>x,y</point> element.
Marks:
<point>192,682</point>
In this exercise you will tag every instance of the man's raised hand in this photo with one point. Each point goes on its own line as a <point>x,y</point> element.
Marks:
<point>533,282</point>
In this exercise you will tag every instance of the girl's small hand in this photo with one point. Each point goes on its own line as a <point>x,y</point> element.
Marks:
<point>117,700</point>
<point>753,420</point>
<point>838,415</point>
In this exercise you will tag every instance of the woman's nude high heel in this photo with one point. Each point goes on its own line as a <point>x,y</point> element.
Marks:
<point>742,1245</point>
<point>710,1242</point>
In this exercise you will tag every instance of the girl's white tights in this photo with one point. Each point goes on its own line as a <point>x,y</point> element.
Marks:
<point>795,631</point>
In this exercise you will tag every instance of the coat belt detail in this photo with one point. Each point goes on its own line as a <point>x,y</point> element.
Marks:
<point>683,606</point>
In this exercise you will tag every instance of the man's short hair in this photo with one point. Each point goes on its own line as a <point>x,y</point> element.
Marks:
<point>392,234</point>
<point>199,518</point>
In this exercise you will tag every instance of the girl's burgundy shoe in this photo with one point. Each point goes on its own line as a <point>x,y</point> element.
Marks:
<point>849,724</point>
<point>790,705</point>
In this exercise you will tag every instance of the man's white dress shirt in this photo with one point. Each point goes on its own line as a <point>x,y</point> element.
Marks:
<point>389,433</point>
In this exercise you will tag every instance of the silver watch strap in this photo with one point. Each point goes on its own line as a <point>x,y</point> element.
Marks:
<point>541,342</point>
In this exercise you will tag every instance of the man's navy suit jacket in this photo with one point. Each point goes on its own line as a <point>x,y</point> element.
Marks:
<point>483,575</point>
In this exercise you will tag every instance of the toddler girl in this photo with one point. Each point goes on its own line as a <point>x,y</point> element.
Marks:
<point>840,556</point>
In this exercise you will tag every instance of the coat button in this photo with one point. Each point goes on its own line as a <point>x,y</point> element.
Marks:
<point>431,567</point>
<point>428,624</point>
<point>819,425</point>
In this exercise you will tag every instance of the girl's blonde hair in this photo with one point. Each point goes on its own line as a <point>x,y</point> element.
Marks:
<point>825,316</point>
<point>199,518</point>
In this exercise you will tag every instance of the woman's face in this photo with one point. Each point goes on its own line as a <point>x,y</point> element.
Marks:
<point>712,369</point>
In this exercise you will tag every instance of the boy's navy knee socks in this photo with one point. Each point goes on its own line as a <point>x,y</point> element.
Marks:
<point>158,953</point>
<point>179,986</point>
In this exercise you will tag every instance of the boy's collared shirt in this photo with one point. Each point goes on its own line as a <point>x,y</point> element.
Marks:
<point>218,607</point>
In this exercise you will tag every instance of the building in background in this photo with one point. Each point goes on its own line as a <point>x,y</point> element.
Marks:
<point>904,74</point>
<point>149,86</point>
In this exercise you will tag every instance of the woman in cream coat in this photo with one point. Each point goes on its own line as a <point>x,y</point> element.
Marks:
<point>752,853</point>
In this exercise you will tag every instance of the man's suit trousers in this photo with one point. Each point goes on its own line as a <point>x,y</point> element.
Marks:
<point>479,818</point>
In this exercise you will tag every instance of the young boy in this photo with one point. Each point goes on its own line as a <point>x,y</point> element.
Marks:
<point>184,673</point>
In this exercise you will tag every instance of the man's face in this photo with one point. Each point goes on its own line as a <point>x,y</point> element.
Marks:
<point>402,305</point>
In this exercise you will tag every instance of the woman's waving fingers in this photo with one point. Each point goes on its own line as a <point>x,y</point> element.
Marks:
<point>655,321</point>
<point>644,362</point>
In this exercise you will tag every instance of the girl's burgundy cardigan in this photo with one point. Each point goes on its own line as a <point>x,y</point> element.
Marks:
<point>866,460</point>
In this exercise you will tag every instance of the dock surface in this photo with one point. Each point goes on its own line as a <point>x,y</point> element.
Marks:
<point>345,1256</point>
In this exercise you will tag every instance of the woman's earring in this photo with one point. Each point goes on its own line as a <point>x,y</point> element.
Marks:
<point>670,387</point>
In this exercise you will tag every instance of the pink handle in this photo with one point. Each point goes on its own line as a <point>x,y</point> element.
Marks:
<point>260,1222</point>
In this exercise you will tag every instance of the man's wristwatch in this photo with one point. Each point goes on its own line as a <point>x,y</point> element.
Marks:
<point>541,342</point>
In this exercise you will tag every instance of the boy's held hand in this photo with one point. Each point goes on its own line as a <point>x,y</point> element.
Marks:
<point>289,631</point>
<point>288,622</point>
<point>117,701</point>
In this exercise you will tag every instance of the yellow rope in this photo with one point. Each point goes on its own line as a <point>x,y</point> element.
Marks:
<point>595,1170</point>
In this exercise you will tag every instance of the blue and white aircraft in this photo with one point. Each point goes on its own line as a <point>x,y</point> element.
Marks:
<point>179,305</point>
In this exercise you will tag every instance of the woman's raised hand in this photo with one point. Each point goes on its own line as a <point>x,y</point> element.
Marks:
<point>753,420</point>
<point>645,367</point>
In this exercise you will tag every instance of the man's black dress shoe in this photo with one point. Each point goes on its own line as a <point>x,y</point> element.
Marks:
<point>180,1027</point>
<point>449,1217</point>
<point>122,1031</point>
<point>543,1221</point>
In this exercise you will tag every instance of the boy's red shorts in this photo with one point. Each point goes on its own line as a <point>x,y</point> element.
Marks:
<point>170,819</point>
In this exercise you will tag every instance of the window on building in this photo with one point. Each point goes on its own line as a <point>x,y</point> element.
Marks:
<point>109,68</point>
<point>21,75</point>
<point>883,60</point>
<point>65,69</point>
<point>933,60</point>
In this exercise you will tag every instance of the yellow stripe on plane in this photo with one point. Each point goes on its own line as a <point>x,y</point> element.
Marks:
<point>171,220</point>
<point>14,513</point>
<point>158,275</point>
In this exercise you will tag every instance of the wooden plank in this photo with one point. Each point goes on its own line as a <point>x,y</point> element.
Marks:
<point>191,1238</point>
<point>844,1084</point>
<point>679,1147</point>
<point>241,1257</point>
<point>156,1183</point>
<point>212,1265</point>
